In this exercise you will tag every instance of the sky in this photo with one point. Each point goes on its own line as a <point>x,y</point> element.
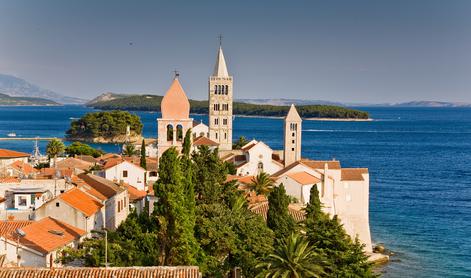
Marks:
<point>349,51</point>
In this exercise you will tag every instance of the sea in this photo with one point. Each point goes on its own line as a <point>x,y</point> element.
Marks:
<point>419,161</point>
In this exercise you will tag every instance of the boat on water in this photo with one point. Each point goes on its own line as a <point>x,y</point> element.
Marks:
<point>11,134</point>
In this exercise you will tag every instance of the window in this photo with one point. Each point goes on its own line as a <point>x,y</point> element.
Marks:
<point>227,89</point>
<point>260,166</point>
<point>153,174</point>
<point>292,149</point>
<point>216,135</point>
<point>223,91</point>
<point>292,141</point>
<point>57,204</point>
<point>292,134</point>
<point>215,89</point>
<point>22,201</point>
<point>216,121</point>
<point>224,121</point>
<point>119,207</point>
<point>225,135</point>
<point>169,132</point>
<point>125,174</point>
<point>179,132</point>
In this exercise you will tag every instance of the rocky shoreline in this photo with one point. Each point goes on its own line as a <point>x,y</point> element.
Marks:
<point>102,140</point>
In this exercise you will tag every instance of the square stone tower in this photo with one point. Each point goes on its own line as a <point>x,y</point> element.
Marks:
<point>220,104</point>
<point>292,150</point>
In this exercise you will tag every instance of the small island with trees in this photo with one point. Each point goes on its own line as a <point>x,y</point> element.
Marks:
<point>106,127</point>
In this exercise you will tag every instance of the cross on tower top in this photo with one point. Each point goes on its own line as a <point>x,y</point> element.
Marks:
<point>176,73</point>
<point>220,39</point>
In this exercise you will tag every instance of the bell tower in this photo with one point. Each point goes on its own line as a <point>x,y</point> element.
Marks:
<point>220,103</point>
<point>292,150</point>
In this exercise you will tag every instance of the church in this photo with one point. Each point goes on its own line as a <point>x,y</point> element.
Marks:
<point>343,191</point>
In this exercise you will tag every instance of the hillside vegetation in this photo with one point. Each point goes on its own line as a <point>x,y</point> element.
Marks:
<point>26,101</point>
<point>109,126</point>
<point>152,103</point>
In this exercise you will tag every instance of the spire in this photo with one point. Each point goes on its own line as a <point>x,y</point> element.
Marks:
<point>293,114</point>
<point>175,104</point>
<point>220,68</point>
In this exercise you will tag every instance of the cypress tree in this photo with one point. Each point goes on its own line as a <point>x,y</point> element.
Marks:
<point>187,143</point>
<point>143,161</point>
<point>176,224</point>
<point>278,217</point>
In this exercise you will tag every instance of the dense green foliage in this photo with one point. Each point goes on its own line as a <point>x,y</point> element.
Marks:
<point>54,148</point>
<point>104,124</point>
<point>278,217</point>
<point>78,148</point>
<point>262,184</point>
<point>239,143</point>
<point>293,257</point>
<point>143,160</point>
<point>129,150</point>
<point>152,103</point>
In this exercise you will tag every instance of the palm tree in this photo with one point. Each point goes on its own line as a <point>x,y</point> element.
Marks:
<point>129,150</point>
<point>292,258</point>
<point>54,148</point>
<point>261,184</point>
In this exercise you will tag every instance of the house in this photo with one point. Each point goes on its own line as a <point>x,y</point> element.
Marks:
<point>253,158</point>
<point>137,198</point>
<point>121,170</point>
<point>20,169</point>
<point>113,195</point>
<point>117,272</point>
<point>7,157</point>
<point>39,243</point>
<point>342,191</point>
<point>27,198</point>
<point>75,207</point>
<point>77,165</point>
<point>203,141</point>
<point>199,129</point>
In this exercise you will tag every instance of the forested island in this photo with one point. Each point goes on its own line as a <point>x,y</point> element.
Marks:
<point>105,127</point>
<point>6,100</point>
<point>111,101</point>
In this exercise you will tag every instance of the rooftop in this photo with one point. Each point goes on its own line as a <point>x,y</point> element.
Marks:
<point>353,174</point>
<point>304,178</point>
<point>79,200</point>
<point>5,154</point>
<point>105,187</point>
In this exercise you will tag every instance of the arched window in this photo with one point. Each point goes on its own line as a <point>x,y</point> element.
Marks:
<point>169,132</point>
<point>215,89</point>
<point>227,89</point>
<point>179,132</point>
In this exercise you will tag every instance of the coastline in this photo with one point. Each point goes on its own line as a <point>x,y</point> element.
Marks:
<point>309,119</point>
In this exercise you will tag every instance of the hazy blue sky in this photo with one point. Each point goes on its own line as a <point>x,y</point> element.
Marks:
<point>357,51</point>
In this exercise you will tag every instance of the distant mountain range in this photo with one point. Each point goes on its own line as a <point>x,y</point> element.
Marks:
<point>25,101</point>
<point>17,87</point>
<point>286,101</point>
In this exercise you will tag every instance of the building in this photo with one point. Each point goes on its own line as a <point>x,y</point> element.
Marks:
<point>292,138</point>
<point>199,129</point>
<point>121,170</point>
<point>39,244</point>
<point>7,157</point>
<point>220,99</point>
<point>175,120</point>
<point>20,169</point>
<point>75,207</point>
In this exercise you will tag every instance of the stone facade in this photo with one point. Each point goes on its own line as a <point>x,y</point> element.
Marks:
<point>292,138</point>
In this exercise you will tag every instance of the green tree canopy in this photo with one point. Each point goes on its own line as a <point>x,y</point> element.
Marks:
<point>78,148</point>
<point>143,162</point>
<point>278,217</point>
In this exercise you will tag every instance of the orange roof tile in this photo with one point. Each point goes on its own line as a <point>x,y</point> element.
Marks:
<point>117,272</point>
<point>24,168</point>
<point>8,227</point>
<point>204,141</point>
<point>353,174</point>
<point>105,187</point>
<point>304,178</point>
<point>4,153</point>
<point>262,210</point>
<point>72,162</point>
<point>77,199</point>
<point>111,162</point>
<point>41,235</point>
<point>320,164</point>
<point>134,193</point>
<point>9,180</point>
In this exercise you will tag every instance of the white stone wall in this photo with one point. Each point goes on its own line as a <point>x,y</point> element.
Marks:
<point>260,153</point>
<point>220,131</point>
<point>136,175</point>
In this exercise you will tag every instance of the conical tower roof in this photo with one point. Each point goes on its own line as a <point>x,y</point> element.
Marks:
<point>175,104</point>
<point>293,114</point>
<point>220,68</point>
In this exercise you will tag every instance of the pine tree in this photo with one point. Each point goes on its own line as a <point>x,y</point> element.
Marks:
<point>143,162</point>
<point>278,217</point>
<point>176,226</point>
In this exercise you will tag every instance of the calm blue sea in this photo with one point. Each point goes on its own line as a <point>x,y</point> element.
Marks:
<point>420,170</point>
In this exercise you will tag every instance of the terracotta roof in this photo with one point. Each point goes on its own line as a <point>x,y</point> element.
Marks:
<point>353,174</point>
<point>4,153</point>
<point>10,226</point>
<point>276,157</point>
<point>248,146</point>
<point>2,199</point>
<point>87,158</point>
<point>204,141</point>
<point>134,193</point>
<point>107,156</point>
<point>9,180</point>
<point>175,104</point>
<point>319,164</point>
<point>240,157</point>
<point>262,210</point>
<point>43,235</point>
<point>24,168</point>
<point>72,162</point>
<point>152,164</point>
<point>79,200</point>
<point>51,172</point>
<point>117,272</point>
<point>304,178</point>
<point>105,187</point>
<point>111,162</point>
<point>241,179</point>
